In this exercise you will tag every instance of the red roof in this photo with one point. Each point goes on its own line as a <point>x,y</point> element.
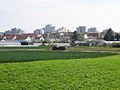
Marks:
<point>28,34</point>
<point>9,37</point>
<point>20,36</point>
<point>1,37</point>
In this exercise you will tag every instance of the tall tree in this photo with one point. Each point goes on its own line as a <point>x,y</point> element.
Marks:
<point>117,36</point>
<point>75,36</point>
<point>109,36</point>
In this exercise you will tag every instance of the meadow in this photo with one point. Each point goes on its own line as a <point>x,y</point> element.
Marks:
<point>35,47</point>
<point>80,48</point>
<point>26,56</point>
<point>71,48</point>
<point>59,70</point>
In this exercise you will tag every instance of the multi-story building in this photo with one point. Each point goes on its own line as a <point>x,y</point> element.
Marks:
<point>14,31</point>
<point>93,29</point>
<point>1,33</point>
<point>49,28</point>
<point>39,31</point>
<point>8,32</point>
<point>62,29</point>
<point>81,29</point>
<point>93,35</point>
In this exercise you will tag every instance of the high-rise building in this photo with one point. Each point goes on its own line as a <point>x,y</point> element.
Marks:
<point>49,28</point>
<point>93,29</point>
<point>62,29</point>
<point>8,32</point>
<point>1,33</point>
<point>14,31</point>
<point>52,29</point>
<point>39,31</point>
<point>81,29</point>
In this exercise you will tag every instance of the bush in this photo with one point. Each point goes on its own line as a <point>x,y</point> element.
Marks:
<point>116,44</point>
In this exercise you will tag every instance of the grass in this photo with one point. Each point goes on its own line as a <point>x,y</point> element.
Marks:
<point>25,56</point>
<point>98,73</point>
<point>94,48</point>
<point>39,47</point>
<point>77,48</point>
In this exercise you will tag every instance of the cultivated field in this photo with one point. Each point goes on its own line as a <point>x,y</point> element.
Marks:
<point>59,70</point>
<point>48,48</point>
<point>40,47</point>
<point>26,56</point>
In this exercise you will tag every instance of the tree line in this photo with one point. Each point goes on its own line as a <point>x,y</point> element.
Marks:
<point>111,35</point>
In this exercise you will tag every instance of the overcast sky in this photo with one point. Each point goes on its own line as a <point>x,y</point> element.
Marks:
<point>32,14</point>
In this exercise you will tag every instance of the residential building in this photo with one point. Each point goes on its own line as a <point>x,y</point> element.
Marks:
<point>93,35</point>
<point>14,31</point>
<point>1,33</point>
<point>19,37</point>
<point>81,29</point>
<point>63,29</point>
<point>39,31</point>
<point>49,28</point>
<point>93,29</point>
<point>1,38</point>
<point>8,32</point>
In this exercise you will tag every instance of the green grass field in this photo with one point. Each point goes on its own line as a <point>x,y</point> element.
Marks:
<point>39,47</point>
<point>26,56</point>
<point>94,48</point>
<point>75,48</point>
<point>59,70</point>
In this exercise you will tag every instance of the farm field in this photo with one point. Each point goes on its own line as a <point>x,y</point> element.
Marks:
<point>59,70</point>
<point>39,47</point>
<point>26,56</point>
<point>49,48</point>
<point>109,49</point>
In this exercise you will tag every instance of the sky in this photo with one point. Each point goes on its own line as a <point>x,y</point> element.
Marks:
<point>29,15</point>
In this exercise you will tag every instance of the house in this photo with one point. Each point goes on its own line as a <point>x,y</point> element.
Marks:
<point>25,37</point>
<point>85,36</point>
<point>20,37</point>
<point>81,43</point>
<point>1,38</point>
<point>93,35</point>
<point>38,39</point>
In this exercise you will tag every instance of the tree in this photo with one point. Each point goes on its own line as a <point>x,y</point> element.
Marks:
<point>80,37</point>
<point>41,41</point>
<point>117,36</point>
<point>55,41</point>
<point>46,41</point>
<point>64,41</point>
<point>109,36</point>
<point>75,36</point>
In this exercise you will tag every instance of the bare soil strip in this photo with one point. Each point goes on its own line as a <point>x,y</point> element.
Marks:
<point>79,49</point>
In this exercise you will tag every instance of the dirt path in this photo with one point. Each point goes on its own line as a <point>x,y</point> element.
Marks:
<point>80,49</point>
